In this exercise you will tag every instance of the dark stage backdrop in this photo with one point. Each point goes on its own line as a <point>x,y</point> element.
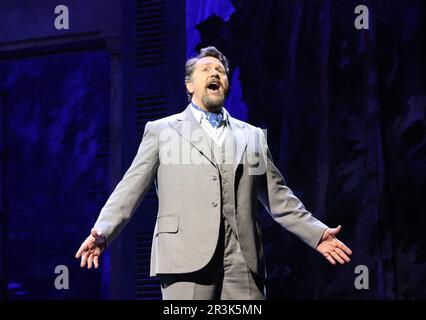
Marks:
<point>344,111</point>
<point>54,110</point>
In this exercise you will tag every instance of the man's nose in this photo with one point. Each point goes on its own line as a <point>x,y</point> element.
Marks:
<point>215,74</point>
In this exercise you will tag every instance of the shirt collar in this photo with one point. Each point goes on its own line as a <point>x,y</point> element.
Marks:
<point>200,114</point>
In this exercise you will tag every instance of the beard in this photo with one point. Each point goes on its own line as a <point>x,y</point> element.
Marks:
<point>213,102</point>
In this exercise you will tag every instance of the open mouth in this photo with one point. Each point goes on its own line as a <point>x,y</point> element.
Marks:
<point>213,86</point>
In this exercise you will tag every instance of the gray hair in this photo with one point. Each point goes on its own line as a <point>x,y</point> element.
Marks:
<point>204,52</point>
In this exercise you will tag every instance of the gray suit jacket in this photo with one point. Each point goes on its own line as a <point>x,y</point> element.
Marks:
<point>175,152</point>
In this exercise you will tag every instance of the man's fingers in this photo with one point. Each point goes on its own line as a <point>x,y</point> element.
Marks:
<point>96,261</point>
<point>336,257</point>
<point>334,231</point>
<point>83,247</point>
<point>342,255</point>
<point>329,258</point>
<point>84,259</point>
<point>89,261</point>
<point>333,249</point>
<point>342,246</point>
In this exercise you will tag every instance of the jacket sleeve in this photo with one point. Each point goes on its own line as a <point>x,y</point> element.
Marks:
<point>132,188</point>
<point>284,207</point>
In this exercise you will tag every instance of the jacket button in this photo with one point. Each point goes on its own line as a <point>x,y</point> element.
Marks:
<point>214,204</point>
<point>214,178</point>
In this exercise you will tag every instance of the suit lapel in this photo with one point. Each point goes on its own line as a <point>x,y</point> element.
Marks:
<point>240,140</point>
<point>188,127</point>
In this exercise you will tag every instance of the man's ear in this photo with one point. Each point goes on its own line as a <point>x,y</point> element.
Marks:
<point>189,86</point>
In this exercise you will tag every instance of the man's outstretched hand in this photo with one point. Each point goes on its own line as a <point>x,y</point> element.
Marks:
<point>91,249</point>
<point>333,249</point>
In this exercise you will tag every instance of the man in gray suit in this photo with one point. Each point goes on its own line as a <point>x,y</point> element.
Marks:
<point>209,169</point>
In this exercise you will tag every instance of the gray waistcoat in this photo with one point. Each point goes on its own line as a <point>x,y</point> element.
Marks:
<point>224,156</point>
